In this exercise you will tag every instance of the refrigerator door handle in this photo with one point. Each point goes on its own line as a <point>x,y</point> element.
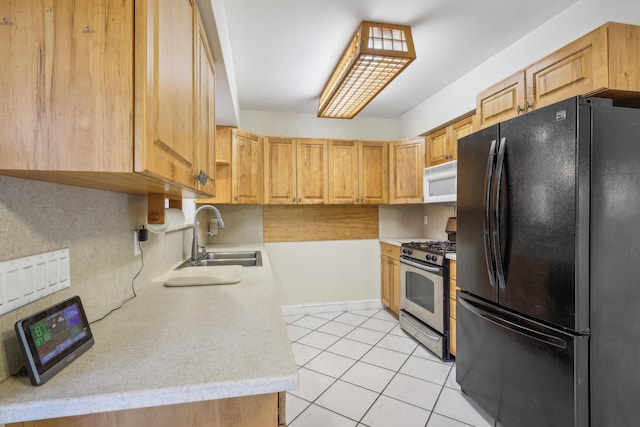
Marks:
<point>518,328</point>
<point>488,253</point>
<point>497,249</point>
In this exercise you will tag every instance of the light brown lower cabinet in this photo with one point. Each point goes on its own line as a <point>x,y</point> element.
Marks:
<point>453,290</point>
<point>262,410</point>
<point>390,270</point>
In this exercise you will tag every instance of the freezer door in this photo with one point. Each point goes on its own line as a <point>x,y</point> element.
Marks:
<point>536,212</point>
<point>522,373</point>
<point>476,261</point>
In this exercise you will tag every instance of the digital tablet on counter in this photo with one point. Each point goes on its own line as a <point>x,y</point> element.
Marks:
<point>52,338</point>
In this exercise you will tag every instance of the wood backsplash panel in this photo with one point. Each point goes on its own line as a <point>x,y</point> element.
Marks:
<point>320,222</point>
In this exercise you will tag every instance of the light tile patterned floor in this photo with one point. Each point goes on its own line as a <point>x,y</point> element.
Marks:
<point>358,368</point>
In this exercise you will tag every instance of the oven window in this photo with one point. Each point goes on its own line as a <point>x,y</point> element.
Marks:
<point>420,290</point>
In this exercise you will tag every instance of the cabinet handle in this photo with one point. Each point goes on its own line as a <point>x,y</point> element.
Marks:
<point>293,200</point>
<point>5,21</point>
<point>88,29</point>
<point>202,177</point>
<point>527,106</point>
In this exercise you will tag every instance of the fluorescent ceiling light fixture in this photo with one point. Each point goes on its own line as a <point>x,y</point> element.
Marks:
<point>376,55</point>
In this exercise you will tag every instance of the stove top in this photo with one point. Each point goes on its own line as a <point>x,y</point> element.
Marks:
<point>432,246</point>
<point>432,252</point>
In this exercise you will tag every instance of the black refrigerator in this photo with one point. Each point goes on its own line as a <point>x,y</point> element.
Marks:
<point>548,256</point>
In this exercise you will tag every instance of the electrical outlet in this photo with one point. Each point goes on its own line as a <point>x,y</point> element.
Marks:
<point>136,243</point>
<point>426,220</point>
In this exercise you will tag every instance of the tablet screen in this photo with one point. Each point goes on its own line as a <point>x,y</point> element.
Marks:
<point>53,338</point>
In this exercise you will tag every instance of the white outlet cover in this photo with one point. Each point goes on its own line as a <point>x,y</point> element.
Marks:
<point>27,279</point>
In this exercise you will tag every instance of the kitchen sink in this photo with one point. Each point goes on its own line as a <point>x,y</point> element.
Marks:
<point>242,258</point>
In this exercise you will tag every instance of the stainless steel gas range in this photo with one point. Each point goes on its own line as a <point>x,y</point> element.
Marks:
<point>424,293</point>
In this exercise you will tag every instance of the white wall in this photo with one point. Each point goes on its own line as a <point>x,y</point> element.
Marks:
<point>243,224</point>
<point>460,97</point>
<point>438,214</point>
<point>309,126</point>
<point>326,271</point>
<point>400,221</point>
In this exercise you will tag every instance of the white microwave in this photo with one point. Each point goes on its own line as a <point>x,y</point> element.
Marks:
<point>440,183</point>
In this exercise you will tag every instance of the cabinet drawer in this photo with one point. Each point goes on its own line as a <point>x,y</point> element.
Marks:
<point>390,250</point>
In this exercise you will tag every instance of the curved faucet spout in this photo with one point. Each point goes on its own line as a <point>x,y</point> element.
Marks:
<point>194,244</point>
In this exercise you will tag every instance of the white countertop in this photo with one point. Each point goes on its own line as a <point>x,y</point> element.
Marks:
<point>168,346</point>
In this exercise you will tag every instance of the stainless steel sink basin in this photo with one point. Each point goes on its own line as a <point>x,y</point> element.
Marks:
<point>243,258</point>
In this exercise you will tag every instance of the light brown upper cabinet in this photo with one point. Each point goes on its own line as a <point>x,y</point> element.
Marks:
<point>295,171</point>
<point>406,163</point>
<point>239,167</point>
<point>84,111</point>
<point>358,172</point>
<point>502,101</point>
<point>442,144</point>
<point>246,168</point>
<point>205,114</point>
<point>164,88</point>
<point>603,62</point>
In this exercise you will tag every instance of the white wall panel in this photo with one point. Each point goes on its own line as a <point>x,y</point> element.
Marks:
<point>326,271</point>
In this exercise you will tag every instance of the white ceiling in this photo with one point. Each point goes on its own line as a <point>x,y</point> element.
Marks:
<point>283,51</point>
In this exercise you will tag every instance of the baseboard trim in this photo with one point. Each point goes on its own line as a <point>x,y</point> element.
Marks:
<point>327,307</point>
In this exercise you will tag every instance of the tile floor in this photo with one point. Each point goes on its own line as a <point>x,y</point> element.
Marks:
<point>358,368</point>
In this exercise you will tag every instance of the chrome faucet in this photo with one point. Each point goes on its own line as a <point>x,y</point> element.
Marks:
<point>194,246</point>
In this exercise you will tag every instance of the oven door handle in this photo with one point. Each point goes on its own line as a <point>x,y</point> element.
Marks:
<point>420,266</point>
<point>420,330</point>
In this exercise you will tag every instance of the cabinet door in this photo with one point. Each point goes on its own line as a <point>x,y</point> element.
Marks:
<point>502,101</point>
<point>246,167</point>
<point>437,144</point>
<point>312,171</point>
<point>66,82</point>
<point>223,167</point>
<point>279,171</point>
<point>395,286</point>
<point>578,68</point>
<point>386,269</point>
<point>164,90</point>
<point>406,162</point>
<point>459,130</point>
<point>453,290</point>
<point>205,126</point>
<point>343,172</point>
<point>373,172</point>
